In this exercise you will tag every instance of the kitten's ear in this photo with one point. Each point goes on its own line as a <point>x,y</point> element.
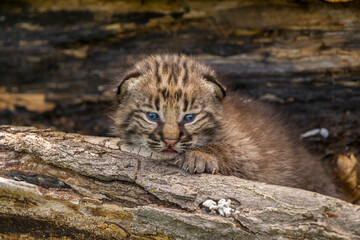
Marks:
<point>122,87</point>
<point>220,89</point>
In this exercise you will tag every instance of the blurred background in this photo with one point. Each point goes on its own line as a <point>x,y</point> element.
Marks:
<point>56,58</point>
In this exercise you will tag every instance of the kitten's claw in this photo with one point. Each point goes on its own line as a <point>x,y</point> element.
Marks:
<point>197,162</point>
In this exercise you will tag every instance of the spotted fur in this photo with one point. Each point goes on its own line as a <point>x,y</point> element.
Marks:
<point>232,135</point>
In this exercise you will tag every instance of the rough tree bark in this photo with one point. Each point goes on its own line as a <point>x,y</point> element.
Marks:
<point>58,185</point>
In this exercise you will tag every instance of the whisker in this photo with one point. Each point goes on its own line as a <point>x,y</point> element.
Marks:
<point>152,140</point>
<point>186,144</point>
<point>154,144</point>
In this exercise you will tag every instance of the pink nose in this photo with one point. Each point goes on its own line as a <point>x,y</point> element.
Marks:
<point>170,142</point>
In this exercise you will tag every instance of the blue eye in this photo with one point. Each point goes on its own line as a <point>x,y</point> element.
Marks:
<point>153,116</point>
<point>189,118</point>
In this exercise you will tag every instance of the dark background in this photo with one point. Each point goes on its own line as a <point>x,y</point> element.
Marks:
<point>56,58</point>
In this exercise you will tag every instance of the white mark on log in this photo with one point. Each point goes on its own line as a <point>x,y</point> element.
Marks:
<point>222,207</point>
<point>209,203</point>
<point>322,131</point>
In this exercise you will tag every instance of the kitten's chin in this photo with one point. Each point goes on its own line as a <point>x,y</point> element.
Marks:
<point>167,155</point>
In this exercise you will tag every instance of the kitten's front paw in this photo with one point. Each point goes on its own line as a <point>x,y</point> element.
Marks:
<point>197,162</point>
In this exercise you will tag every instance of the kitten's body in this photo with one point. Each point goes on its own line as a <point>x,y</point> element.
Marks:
<point>232,135</point>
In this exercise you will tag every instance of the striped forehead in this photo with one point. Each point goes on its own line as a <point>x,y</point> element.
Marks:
<point>173,98</point>
<point>168,70</point>
<point>172,81</point>
<point>171,76</point>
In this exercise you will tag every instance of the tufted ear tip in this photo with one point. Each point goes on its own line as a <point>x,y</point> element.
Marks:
<point>120,90</point>
<point>210,78</point>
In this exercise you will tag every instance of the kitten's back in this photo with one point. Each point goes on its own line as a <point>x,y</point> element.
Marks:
<point>276,153</point>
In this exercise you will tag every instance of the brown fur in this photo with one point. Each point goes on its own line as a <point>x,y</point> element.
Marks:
<point>231,135</point>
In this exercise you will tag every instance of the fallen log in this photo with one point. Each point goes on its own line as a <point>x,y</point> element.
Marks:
<point>55,185</point>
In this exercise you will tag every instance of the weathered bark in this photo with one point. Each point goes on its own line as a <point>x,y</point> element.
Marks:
<point>55,185</point>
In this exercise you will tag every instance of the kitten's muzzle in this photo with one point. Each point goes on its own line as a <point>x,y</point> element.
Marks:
<point>170,144</point>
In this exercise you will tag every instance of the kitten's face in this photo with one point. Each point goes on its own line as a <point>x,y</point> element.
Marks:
<point>168,104</point>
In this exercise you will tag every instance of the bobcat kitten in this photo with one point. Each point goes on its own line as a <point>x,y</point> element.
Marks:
<point>177,108</point>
